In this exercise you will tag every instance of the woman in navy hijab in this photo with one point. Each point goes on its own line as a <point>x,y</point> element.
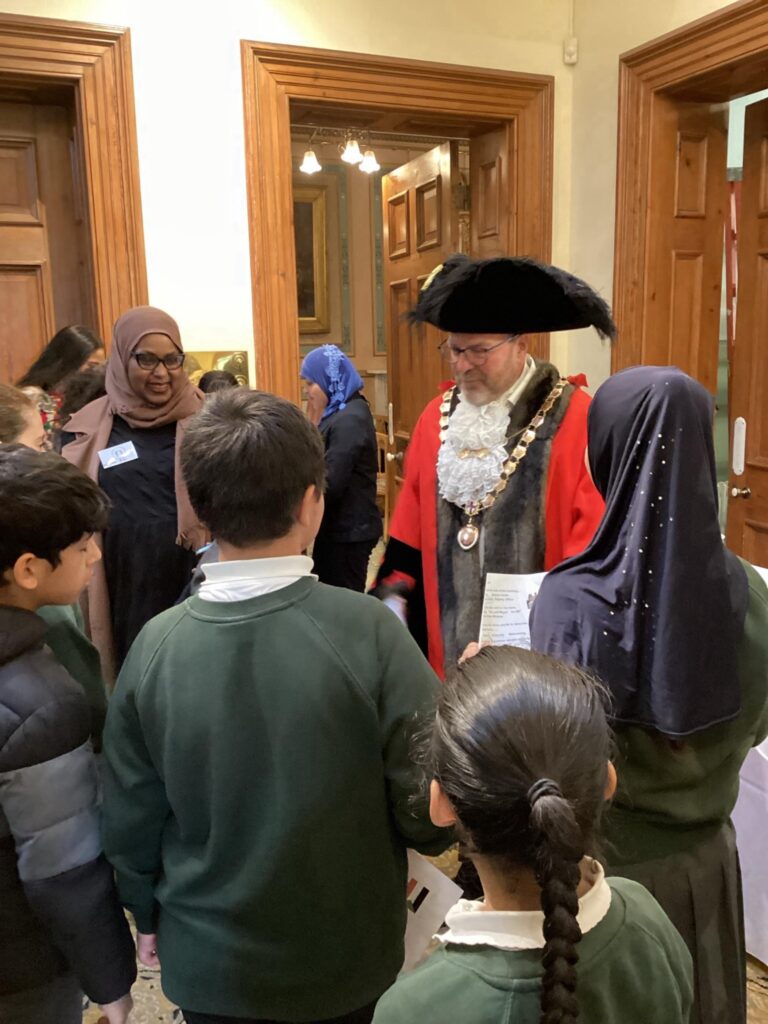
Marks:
<point>676,627</point>
<point>352,521</point>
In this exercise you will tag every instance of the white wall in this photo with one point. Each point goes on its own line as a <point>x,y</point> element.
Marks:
<point>186,62</point>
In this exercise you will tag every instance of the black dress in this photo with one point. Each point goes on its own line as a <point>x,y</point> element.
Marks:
<point>352,521</point>
<point>145,568</point>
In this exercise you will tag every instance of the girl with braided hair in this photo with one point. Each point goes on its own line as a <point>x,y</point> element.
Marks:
<point>519,758</point>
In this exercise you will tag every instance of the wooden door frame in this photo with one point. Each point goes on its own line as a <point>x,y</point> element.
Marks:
<point>715,58</point>
<point>96,61</point>
<point>275,75</point>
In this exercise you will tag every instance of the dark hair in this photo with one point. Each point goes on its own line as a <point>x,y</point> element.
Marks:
<point>14,405</point>
<point>82,387</point>
<point>217,380</point>
<point>46,504</point>
<point>65,353</point>
<point>520,746</point>
<point>248,459</point>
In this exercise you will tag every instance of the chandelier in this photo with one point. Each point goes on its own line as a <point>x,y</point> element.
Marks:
<point>353,146</point>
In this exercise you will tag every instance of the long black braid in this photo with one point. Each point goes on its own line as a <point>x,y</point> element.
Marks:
<point>520,746</point>
<point>560,848</point>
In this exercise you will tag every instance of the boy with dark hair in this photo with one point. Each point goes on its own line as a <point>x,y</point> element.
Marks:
<point>259,788</point>
<point>62,931</point>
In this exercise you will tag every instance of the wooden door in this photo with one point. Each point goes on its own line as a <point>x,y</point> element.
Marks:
<point>492,218</point>
<point>45,273</point>
<point>687,206</point>
<point>748,501</point>
<point>420,222</point>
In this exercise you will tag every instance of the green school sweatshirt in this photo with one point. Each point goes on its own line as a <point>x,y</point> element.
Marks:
<point>673,796</point>
<point>633,969</point>
<point>72,649</point>
<point>259,798</point>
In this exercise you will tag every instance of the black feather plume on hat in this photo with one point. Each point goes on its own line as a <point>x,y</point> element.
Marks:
<point>509,295</point>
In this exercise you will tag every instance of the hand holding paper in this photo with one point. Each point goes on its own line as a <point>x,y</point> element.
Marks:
<point>507,607</point>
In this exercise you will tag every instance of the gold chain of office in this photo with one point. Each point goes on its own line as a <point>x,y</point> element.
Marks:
<point>468,535</point>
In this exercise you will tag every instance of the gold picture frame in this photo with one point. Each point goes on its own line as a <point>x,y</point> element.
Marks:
<point>310,235</point>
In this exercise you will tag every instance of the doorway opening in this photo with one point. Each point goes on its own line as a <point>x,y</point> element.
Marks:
<point>71,235</point>
<point>674,202</point>
<point>414,98</point>
<point>46,280</point>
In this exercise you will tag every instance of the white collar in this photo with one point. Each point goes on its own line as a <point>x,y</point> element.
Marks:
<point>251,577</point>
<point>257,568</point>
<point>470,925</point>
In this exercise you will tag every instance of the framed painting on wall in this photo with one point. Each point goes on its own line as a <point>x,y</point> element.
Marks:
<point>332,182</point>
<point>236,362</point>
<point>310,233</point>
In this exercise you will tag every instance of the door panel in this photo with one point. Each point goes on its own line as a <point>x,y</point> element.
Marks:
<point>45,275</point>
<point>492,206</point>
<point>686,217</point>
<point>748,509</point>
<point>420,224</point>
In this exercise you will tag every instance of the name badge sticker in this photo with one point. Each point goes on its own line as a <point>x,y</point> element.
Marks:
<point>116,456</point>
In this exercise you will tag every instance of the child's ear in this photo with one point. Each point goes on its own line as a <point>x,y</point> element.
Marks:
<point>440,810</point>
<point>611,781</point>
<point>25,572</point>
<point>308,509</point>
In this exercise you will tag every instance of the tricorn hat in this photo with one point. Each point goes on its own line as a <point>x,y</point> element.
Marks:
<point>509,295</point>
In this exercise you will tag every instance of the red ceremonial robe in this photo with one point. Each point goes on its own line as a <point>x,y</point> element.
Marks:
<point>573,507</point>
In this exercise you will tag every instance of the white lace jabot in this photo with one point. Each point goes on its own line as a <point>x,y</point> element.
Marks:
<point>477,428</point>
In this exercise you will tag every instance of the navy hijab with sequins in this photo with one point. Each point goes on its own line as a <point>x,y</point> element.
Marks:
<point>655,606</point>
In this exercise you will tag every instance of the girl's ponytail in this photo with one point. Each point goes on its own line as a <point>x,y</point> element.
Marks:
<point>508,723</point>
<point>559,849</point>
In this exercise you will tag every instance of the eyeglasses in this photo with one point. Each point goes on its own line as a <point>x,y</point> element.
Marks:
<point>475,354</point>
<point>149,361</point>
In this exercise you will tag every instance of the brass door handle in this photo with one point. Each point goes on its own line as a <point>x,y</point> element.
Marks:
<point>394,456</point>
<point>741,492</point>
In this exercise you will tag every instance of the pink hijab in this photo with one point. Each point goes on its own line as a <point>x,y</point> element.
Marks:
<point>128,332</point>
<point>93,425</point>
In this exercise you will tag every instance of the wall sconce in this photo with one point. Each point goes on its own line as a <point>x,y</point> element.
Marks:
<point>310,164</point>
<point>369,163</point>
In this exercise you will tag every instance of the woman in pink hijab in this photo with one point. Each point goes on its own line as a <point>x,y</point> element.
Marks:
<point>128,441</point>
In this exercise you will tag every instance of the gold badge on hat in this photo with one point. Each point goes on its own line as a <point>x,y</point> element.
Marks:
<point>432,277</point>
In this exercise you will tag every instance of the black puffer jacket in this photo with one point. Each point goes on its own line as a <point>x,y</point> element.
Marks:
<point>58,905</point>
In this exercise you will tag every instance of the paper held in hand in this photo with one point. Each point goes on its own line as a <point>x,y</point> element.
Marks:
<point>506,607</point>
<point>430,895</point>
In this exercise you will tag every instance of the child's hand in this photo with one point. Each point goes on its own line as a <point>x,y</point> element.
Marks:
<point>471,650</point>
<point>146,947</point>
<point>117,1012</point>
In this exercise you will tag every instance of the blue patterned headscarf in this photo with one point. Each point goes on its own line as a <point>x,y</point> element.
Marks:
<point>335,373</point>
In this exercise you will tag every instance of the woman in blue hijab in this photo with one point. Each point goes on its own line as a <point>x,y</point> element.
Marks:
<point>352,521</point>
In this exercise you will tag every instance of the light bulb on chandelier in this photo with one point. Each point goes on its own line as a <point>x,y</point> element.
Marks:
<point>310,164</point>
<point>369,163</point>
<point>351,152</point>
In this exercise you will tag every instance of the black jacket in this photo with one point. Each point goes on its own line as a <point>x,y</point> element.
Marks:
<point>58,904</point>
<point>351,512</point>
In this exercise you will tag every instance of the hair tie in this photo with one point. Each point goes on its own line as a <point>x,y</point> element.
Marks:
<point>543,787</point>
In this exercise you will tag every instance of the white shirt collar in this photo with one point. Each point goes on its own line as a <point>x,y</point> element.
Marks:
<point>511,395</point>
<point>245,578</point>
<point>470,925</point>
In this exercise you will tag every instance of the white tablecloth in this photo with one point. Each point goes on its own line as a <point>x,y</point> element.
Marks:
<point>751,820</point>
